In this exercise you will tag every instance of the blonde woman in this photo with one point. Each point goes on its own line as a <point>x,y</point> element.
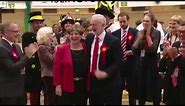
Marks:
<point>171,37</point>
<point>46,54</point>
<point>174,23</point>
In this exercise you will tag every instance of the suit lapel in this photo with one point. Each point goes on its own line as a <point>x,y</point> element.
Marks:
<point>130,38</point>
<point>6,45</point>
<point>91,38</point>
<point>104,44</point>
<point>18,50</point>
<point>105,41</point>
<point>9,48</point>
<point>119,34</point>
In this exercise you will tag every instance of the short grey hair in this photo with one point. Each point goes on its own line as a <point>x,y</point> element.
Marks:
<point>43,33</point>
<point>99,18</point>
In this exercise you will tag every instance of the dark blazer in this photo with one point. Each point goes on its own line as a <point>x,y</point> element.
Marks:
<point>152,51</point>
<point>132,33</point>
<point>11,79</point>
<point>32,69</point>
<point>175,95</point>
<point>148,76</point>
<point>109,62</point>
<point>127,68</point>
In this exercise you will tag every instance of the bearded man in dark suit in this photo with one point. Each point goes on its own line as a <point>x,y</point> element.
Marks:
<point>127,34</point>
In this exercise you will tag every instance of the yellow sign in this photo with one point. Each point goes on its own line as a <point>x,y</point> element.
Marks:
<point>11,5</point>
<point>123,3</point>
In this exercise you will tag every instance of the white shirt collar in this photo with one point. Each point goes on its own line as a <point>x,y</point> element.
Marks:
<point>8,41</point>
<point>101,36</point>
<point>125,29</point>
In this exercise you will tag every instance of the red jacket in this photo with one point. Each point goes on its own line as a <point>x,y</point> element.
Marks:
<point>63,68</point>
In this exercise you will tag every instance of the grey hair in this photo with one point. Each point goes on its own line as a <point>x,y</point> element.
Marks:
<point>43,33</point>
<point>99,18</point>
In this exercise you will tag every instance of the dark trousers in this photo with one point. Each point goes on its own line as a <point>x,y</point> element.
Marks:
<point>131,90</point>
<point>105,98</point>
<point>120,96</point>
<point>34,97</point>
<point>79,97</point>
<point>49,90</point>
<point>13,100</point>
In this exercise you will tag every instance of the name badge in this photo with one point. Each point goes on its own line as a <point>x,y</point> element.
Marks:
<point>142,53</point>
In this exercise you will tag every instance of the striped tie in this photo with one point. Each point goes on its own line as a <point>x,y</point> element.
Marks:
<point>124,41</point>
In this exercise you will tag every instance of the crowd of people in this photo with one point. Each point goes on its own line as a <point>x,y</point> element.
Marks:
<point>92,62</point>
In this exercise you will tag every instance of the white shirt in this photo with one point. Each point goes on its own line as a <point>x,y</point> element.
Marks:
<point>124,30</point>
<point>101,39</point>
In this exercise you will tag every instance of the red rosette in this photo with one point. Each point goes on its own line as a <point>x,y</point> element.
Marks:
<point>103,49</point>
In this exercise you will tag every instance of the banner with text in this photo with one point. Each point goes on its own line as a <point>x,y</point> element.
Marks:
<point>63,4</point>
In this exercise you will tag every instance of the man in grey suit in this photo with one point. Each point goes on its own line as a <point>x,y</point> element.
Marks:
<point>12,63</point>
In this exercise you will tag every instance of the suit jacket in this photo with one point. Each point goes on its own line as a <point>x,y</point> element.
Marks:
<point>148,76</point>
<point>11,79</point>
<point>32,69</point>
<point>126,70</point>
<point>152,51</point>
<point>109,62</point>
<point>63,68</point>
<point>175,92</point>
<point>132,33</point>
<point>46,60</point>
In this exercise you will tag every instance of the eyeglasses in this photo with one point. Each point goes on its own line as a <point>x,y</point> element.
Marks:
<point>14,31</point>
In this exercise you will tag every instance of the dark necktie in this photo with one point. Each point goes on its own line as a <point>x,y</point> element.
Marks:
<point>15,52</point>
<point>95,57</point>
<point>124,41</point>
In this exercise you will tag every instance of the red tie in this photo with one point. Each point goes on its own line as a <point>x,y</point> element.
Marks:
<point>174,76</point>
<point>95,57</point>
<point>124,41</point>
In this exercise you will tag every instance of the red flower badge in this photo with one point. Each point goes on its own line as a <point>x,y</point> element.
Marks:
<point>15,56</point>
<point>104,49</point>
<point>130,38</point>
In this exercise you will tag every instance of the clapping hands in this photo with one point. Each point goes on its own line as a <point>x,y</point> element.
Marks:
<point>182,51</point>
<point>31,49</point>
<point>172,52</point>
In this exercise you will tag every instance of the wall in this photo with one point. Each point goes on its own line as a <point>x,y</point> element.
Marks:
<point>161,12</point>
